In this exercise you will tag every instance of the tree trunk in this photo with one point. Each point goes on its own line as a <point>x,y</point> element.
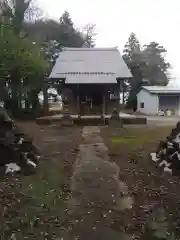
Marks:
<point>27,105</point>
<point>123,100</point>
<point>15,83</point>
<point>35,100</point>
<point>45,94</point>
<point>14,99</point>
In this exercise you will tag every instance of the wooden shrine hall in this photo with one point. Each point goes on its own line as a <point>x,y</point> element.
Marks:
<point>89,79</point>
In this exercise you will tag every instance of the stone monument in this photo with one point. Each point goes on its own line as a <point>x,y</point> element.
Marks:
<point>115,120</point>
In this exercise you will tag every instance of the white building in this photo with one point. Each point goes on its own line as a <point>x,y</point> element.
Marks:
<point>153,99</point>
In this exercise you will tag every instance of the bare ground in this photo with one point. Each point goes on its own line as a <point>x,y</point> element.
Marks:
<point>151,188</point>
<point>34,207</point>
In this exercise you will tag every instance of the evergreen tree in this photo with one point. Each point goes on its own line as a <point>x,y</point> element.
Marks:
<point>66,19</point>
<point>156,65</point>
<point>147,63</point>
<point>132,55</point>
<point>132,48</point>
<point>68,35</point>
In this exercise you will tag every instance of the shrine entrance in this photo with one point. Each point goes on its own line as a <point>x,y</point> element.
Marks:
<point>91,100</point>
<point>91,104</point>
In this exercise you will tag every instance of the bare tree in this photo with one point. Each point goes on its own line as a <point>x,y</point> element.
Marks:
<point>20,10</point>
<point>33,12</point>
<point>89,34</point>
<point>5,9</point>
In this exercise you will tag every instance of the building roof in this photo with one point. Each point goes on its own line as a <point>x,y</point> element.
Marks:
<point>91,79</point>
<point>161,89</point>
<point>91,65</point>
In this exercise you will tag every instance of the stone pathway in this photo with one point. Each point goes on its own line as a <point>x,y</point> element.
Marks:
<point>97,193</point>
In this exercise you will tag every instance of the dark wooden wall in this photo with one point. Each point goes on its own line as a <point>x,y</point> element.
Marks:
<point>100,93</point>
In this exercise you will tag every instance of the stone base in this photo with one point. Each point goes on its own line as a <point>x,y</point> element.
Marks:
<point>115,120</point>
<point>93,121</point>
<point>67,120</point>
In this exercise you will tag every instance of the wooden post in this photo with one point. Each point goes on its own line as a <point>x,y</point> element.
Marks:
<point>78,106</point>
<point>118,97</point>
<point>105,102</point>
<point>78,103</point>
<point>104,105</point>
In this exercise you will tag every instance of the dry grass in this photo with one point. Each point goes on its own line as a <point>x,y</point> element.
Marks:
<point>129,148</point>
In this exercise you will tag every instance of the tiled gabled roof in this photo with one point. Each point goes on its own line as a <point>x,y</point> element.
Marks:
<point>107,63</point>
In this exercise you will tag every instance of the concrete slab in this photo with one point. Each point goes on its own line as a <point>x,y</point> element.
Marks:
<point>162,120</point>
<point>127,119</point>
<point>75,116</point>
<point>96,190</point>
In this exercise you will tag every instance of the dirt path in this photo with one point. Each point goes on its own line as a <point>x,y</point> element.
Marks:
<point>96,189</point>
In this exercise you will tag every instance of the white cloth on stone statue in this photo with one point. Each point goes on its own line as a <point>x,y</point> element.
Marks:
<point>177,139</point>
<point>167,169</point>
<point>12,167</point>
<point>31,163</point>
<point>175,153</point>
<point>154,157</point>
<point>169,144</point>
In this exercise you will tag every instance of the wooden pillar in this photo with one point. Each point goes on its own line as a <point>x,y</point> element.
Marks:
<point>78,102</point>
<point>118,97</point>
<point>103,107</point>
<point>104,104</point>
<point>78,106</point>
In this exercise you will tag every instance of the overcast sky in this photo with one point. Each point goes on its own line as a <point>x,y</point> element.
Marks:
<point>155,20</point>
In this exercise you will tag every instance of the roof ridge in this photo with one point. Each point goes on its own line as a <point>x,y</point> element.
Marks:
<point>161,88</point>
<point>90,49</point>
